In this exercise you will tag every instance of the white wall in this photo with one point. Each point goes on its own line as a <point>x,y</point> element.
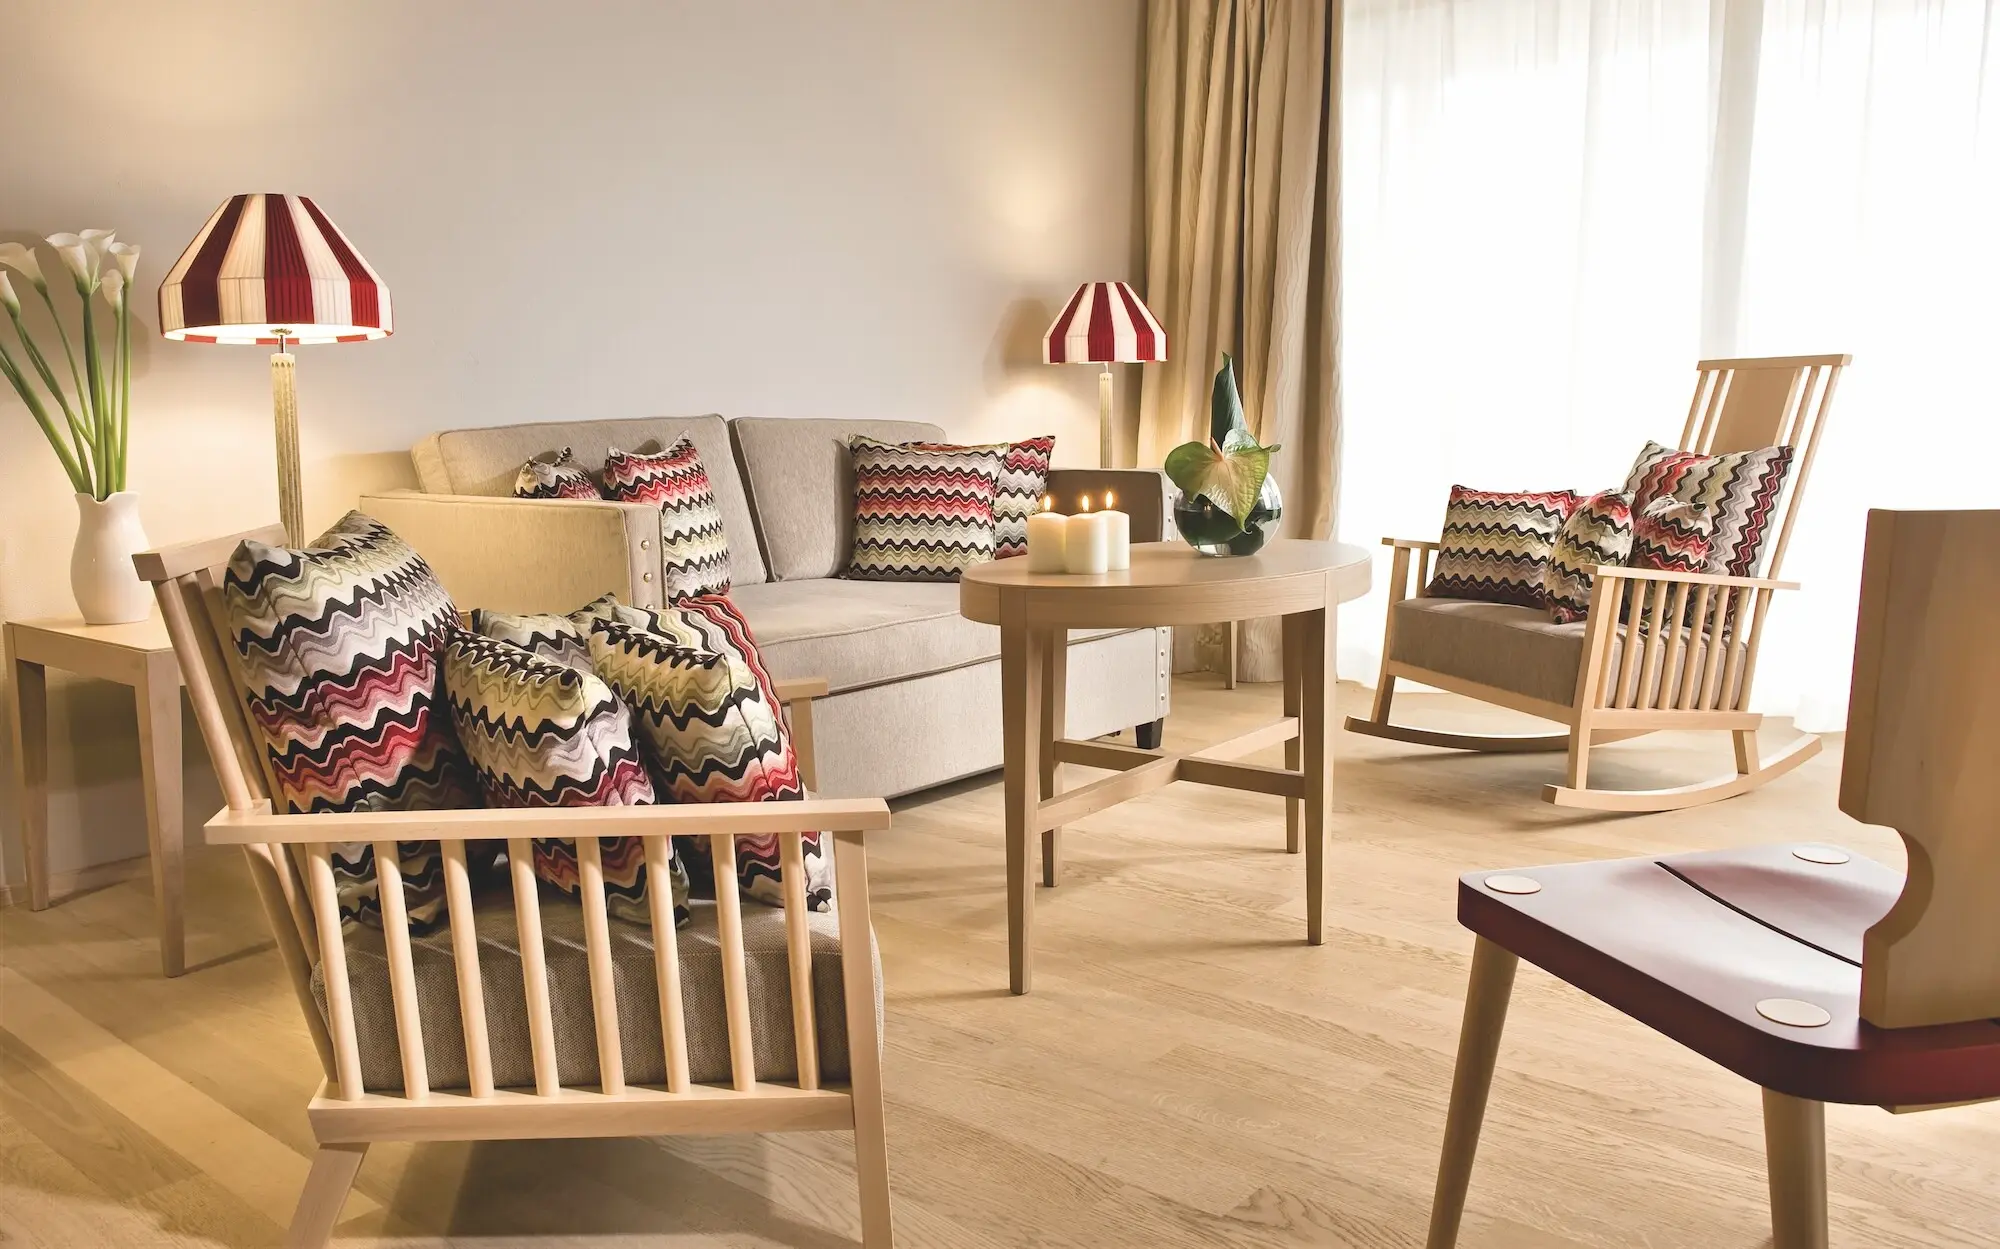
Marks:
<point>603,209</point>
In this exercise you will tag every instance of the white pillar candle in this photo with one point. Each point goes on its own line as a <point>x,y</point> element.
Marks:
<point>1045,539</point>
<point>1121,534</point>
<point>1086,541</point>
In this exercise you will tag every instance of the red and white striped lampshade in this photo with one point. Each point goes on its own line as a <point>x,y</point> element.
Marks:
<point>1104,324</point>
<point>271,264</point>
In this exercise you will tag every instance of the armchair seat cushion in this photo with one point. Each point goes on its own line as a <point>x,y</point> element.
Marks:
<point>1517,649</point>
<point>858,634</point>
<point>643,1051</point>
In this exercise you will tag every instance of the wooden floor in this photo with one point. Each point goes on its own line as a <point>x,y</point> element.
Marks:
<point>1187,1071</point>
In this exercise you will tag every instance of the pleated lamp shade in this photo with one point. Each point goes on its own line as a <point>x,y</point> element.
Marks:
<point>272,267</point>
<point>1104,323</point>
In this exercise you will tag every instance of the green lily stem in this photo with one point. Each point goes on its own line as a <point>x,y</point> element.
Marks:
<point>93,368</point>
<point>77,433</point>
<point>78,477</point>
<point>69,354</point>
<point>124,379</point>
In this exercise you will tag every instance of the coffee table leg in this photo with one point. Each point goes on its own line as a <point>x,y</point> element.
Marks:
<point>29,708</point>
<point>1021,666</point>
<point>1054,724</point>
<point>159,706</point>
<point>1316,670</point>
<point>1293,633</point>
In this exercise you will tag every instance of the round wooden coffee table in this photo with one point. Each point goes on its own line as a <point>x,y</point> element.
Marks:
<point>1168,584</point>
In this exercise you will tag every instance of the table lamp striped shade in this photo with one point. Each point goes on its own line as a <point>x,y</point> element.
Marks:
<point>267,267</point>
<point>1104,323</point>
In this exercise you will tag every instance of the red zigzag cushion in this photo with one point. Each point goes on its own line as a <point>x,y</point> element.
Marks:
<point>922,512</point>
<point>1740,489</point>
<point>1496,544</point>
<point>694,550</point>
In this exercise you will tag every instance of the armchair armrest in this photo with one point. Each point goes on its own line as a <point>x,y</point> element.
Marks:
<point>795,697</point>
<point>1144,494</point>
<point>529,555</point>
<point>1625,572</point>
<point>1412,555</point>
<point>259,825</point>
<point>1410,544</point>
<point>801,689</point>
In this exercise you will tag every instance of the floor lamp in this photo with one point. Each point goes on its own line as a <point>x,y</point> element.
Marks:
<point>273,270</point>
<point>1104,323</point>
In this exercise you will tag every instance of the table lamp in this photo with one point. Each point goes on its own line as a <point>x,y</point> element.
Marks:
<point>274,270</point>
<point>1105,323</point>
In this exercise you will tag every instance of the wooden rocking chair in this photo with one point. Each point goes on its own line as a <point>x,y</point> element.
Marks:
<point>1695,672</point>
<point>1814,973</point>
<point>486,1031</point>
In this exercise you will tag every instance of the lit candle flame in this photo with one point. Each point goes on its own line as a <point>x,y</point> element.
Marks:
<point>1085,505</point>
<point>1048,503</point>
<point>1110,500</point>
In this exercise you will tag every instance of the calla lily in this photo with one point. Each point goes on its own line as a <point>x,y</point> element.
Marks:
<point>79,256</point>
<point>16,256</point>
<point>113,286</point>
<point>99,240</point>
<point>127,256</point>
<point>8,298</point>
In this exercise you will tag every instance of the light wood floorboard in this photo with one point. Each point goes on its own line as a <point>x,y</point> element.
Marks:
<point>1187,1072</point>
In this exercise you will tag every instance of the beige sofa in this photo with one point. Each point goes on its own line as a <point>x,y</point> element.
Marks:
<point>914,687</point>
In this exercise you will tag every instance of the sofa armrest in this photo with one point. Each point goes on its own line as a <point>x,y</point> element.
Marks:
<point>1144,494</point>
<point>529,555</point>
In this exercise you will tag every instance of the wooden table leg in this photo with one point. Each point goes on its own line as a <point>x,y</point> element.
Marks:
<point>1293,634</point>
<point>1021,669</point>
<point>1054,724</point>
<point>1315,759</point>
<point>28,710</point>
<point>159,705</point>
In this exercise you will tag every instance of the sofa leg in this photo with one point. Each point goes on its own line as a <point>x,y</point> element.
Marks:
<point>1148,735</point>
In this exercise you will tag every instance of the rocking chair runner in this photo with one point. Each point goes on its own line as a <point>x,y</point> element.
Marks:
<point>439,992</point>
<point>1597,676</point>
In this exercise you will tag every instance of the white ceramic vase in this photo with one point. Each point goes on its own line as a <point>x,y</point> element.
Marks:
<point>108,534</point>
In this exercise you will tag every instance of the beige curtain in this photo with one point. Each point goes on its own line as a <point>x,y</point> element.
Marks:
<point>1243,251</point>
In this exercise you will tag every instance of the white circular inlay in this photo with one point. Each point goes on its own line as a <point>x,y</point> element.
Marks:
<point>1793,1013</point>
<point>1831,855</point>
<point>1513,884</point>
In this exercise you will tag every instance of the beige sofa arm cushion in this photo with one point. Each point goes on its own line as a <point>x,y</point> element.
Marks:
<point>529,555</point>
<point>1144,494</point>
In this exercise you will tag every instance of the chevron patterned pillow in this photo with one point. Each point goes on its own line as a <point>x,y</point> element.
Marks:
<point>558,477</point>
<point>1496,544</point>
<point>1740,489</point>
<point>694,551</point>
<point>338,648</point>
<point>764,769</point>
<point>1671,536</point>
<point>1598,531</point>
<point>551,637</point>
<point>923,511</point>
<point>544,735</point>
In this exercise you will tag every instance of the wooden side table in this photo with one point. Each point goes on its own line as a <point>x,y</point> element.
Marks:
<point>138,655</point>
<point>1168,584</point>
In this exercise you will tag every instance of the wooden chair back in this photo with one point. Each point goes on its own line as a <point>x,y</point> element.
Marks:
<point>1740,405</point>
<point>1923,757</point>
<point>289,856</point>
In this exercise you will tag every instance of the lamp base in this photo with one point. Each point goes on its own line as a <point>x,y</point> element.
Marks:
<point>1104,458</point>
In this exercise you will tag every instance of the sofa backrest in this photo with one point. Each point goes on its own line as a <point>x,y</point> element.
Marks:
<point>802,485</point>
<point>485,461</point>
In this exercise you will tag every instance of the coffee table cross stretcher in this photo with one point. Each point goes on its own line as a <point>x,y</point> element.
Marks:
<point>1168,584</point>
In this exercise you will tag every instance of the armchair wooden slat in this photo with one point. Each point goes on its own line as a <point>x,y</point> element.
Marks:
<point>366,1051</point>
<point>1661,650</point>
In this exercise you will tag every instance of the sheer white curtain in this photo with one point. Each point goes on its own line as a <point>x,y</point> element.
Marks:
<point>1551,210</point>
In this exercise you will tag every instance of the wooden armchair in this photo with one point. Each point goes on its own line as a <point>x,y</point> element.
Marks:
<point>1696,672</point>
<point>1818,975</point>
<point>524,1021</point>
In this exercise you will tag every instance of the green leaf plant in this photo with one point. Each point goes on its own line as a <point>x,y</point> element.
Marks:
<point>1229,469</point>
<point>90,439</point>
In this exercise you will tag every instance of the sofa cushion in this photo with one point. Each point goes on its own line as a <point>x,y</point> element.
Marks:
<point>923,511</point>
<point>802,485</point>
<point>694,548</point>
<point>699,947</point>
<point>1505,646</point>
<point>861,633</point>
<point>555,476</point>
<point>486,461</point>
